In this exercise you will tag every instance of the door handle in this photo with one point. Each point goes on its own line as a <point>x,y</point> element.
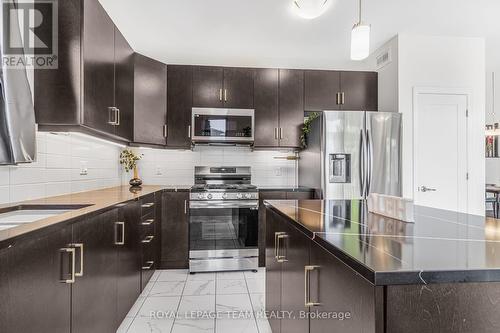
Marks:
<point>369,151</point>
<point>337,98</point>
<point>362,169</point>
<point>165,130</point>
<point>80,247</point>
<point>220,94</point>
<point>185,207</point>
<point>427,189</point>
<point>71,252</point>
<point>225,95</point>
<point>282,258</point>
<point>342,98</point>
<point>276,133</point>
<point>189,131</point>
<point>307,285</point>
<point>122,239</point>
<point>281,133</point>
<point>112,116</point>
<point>276,244</point>
<point>118,117</point>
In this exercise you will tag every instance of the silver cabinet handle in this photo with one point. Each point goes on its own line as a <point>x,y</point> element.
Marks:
<point>80,247</point>
<point>337,98</point>
<point>148,205</point>
<point>185,207</point>
<point>277,238</point>
<point>165,130</point>
<point>71,252</point>
<point>276,133</point>
<point>148,222</point>
<point>112,116</point>
<point>282,258</point>
<point>118,240</point>
<point>189,131</point>
<point>118,117</point>
<point>281,133</point>
<point>225,95</point>
<point>148,239</point>
<point>427,189</point>
<point>342,98</point>
<point>220,94</point>
<point>307,285</point>
<point>149,265</point>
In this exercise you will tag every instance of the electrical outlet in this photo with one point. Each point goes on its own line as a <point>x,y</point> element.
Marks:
<point>84,170</point>
<point>158,171</point>
<point>278,172</point>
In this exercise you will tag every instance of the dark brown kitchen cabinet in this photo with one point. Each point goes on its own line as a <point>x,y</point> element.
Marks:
<point>291,107</point>
<point>33,298</point>
<point>91,91</point>
<point>148,237</point>
<point>266,105</point>
<point>98,68</point>
<point>94,295</point>
<point>180,102</point>
<point>150,101</point>
<point>129,260</point>
<point>175,230</point>
<point>359,91</point>
<point>336,288</point>
<point>216,87</point>
<point>124,86</point>
<point>321,90</point>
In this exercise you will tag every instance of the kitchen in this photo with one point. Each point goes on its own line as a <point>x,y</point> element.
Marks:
<point>174,167</point>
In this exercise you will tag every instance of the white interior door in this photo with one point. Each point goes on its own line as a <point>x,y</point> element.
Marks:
<point>440,151</point>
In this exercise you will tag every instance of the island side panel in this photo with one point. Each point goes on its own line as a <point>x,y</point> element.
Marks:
<point>443,308</point>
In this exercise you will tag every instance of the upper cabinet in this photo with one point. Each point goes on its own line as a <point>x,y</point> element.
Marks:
<point>217,87</point>
<point>150,101</point>
<point>266,85</point>
<point>92,89</point>
<point>334,90</point>
<point>179,104</point>
<point>291,106</point>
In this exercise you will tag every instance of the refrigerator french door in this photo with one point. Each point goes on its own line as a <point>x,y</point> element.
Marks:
<point>351,154</point>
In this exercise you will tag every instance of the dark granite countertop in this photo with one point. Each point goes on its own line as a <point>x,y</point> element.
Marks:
<point>440,247</point>
<point>95,202</point>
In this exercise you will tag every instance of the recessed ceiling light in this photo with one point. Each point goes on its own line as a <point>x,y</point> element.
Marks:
<point>311,9</point>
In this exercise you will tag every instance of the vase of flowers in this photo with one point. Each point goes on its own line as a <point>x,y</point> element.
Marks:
<point>129,159</point>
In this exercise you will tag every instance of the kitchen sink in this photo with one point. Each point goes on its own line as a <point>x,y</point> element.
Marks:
<point>17,215</point>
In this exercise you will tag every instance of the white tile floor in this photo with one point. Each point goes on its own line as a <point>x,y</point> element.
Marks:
<point>174,301</point>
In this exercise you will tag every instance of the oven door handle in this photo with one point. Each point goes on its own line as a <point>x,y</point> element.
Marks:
<point>252,204</point>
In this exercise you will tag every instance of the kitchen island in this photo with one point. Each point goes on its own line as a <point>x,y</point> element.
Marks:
<point>353,271</point>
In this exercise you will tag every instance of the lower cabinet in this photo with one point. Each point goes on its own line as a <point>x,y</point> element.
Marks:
<point>175,230</point>
<point>148,238</point>
<point>304,282</point>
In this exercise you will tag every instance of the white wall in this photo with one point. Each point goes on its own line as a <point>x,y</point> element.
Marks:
<point>445,62</point>
<point>388,93</point>
<point>176,167</point>
<point>60,159</point>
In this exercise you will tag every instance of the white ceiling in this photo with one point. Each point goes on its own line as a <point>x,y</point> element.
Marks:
<point>267,33</point>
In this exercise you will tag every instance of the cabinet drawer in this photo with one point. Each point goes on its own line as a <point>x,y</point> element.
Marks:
<point>148,256</point>
<point>148,206</point>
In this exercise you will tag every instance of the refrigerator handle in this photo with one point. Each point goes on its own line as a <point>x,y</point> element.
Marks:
<point>362,167</point>
<point>369,147</point>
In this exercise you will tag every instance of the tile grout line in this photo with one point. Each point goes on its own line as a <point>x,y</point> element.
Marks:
<point>179,304</point>
<point>251,303</point>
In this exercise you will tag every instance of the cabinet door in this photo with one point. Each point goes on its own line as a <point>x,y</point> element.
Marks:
<point>321,88</point>
<point>150,100</point>
<point>94,295</point>
<point>179,92</point>
<point>129,260</point>
<point>175,230</point>
<point>338,288</point>
<point>208,87</point>
<point>295,249</point>
<point>238,88</point>
<point>360,91</point>
<point>265,195</point>
<point>266,107</point>
<point>33,298</point>
<point>273,271</point>
<point>291,101</point>
<point>98,67</point>
<point>124,86</point>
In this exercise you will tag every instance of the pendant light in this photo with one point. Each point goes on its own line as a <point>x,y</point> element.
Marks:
<point>311,9</point>
<point>360,39</point>
<point>493,130</point>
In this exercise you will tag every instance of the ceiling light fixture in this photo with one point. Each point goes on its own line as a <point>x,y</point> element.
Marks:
<point>360,39</point>
<point>311,9</point>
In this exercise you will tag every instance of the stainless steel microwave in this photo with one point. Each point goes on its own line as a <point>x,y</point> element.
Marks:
<point>214,125</point>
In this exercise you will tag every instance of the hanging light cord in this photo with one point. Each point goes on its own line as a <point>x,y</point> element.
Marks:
<point>360,6</point>
<point>493,84</point>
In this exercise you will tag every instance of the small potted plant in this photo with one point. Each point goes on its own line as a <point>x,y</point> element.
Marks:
<point>306,129</point>
<point>129,159</point>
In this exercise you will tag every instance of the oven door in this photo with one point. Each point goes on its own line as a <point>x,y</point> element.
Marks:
<point>223,228</point>
<point>222,125</point>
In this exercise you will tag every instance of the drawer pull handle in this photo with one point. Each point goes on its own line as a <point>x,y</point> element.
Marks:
<point>281,257</point>
<point>79,246</point>
<point>148,222</point>
<point>307,280</point>
<point>120,240</point>
<point>148,205</point>
<point>148,239</point>
<point>149,265</point>
<point>71,252</point>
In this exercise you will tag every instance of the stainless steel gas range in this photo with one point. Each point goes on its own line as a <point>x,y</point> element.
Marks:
<point>223,226</point>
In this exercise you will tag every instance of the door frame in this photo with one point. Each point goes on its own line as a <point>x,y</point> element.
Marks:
<point>467,92</point>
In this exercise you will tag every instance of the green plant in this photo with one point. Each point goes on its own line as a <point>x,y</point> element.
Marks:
<point>129,158</point>
<point>306,129</point>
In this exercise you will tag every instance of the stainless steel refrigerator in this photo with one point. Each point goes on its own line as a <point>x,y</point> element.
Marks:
<point>351,154</point>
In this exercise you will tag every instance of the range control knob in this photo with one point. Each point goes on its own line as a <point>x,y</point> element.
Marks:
<point>210,196</point>
<point>239,196</point>
<point>201,196</point>
<point>224,196</point>
<point>248,196</point>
